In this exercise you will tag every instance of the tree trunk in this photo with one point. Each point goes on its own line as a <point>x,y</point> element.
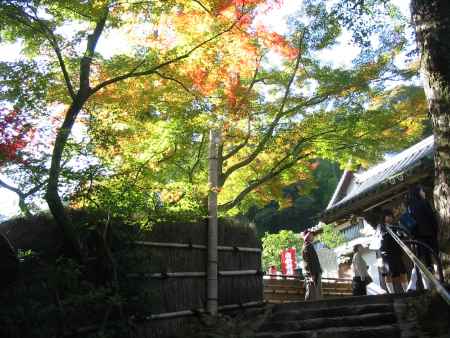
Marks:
<point>24,207</point>
<point>431,19</point>
<point>212,284</point>
<point>72,244</point>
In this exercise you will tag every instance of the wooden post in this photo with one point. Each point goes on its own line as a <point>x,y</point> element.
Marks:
<point>212,282</point>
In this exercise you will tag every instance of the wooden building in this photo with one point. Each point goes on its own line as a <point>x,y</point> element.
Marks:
<point>357,203</point>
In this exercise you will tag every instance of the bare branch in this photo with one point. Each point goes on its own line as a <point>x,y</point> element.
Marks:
<point>63,67</point>
<point>21,194</point>
<point>54,43</point>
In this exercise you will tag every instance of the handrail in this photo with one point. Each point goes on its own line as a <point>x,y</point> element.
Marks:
<point>432,252</point>
<point>423,269</point>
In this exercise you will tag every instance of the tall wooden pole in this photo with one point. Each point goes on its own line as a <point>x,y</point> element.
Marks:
<point>212,282</point>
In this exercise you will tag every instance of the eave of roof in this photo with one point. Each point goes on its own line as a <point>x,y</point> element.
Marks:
<point>389,177</point>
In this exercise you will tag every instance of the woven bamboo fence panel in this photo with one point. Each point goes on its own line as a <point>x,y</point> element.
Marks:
<point>169,272</point>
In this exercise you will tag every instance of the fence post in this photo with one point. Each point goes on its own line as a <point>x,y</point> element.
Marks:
<point>212,282</point>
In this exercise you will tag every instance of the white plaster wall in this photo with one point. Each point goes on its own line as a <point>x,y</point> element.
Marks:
<point>371,259</point>
<point>328,262</point>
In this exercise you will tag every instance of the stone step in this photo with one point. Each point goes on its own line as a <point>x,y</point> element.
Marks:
<point>370,319</point>
<point>336,302</point>
<point>382,331</point>
<point>301,313</point>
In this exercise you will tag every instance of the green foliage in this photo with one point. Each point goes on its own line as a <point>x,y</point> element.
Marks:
<point>25,254</point>
<point>330,112</point>
<point>24,84</point>
<point>148,134</point>
<point>330,236</point>
<point>273,244</point>
<point>55,296</point>
<point>366,19</point>
<point>301,203</point>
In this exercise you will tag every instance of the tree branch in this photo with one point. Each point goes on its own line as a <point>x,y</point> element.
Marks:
<point>203,6</point>
<point>49,35</point>
<point>291,80</point>
<point>154,69</point>
<point>35,189</point>
<point>268,134</point>
<point>54,43</point>
<point>236,149</point>
<point>271,174</point>
<point>175,80</point>
<point>275,171</point>
<point>11,188</point>
<point>197,161</point>
<point>62,65</point>
<point>22,196</point>
<point>86,61</point>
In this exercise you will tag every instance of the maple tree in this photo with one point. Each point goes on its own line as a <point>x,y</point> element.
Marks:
<point>31,122</point>
<point>14,135</point>
<point>77,72</point>
<point>188,66</point>
<point>272,124</point>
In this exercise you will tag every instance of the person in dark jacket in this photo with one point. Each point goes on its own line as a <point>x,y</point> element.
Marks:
<point>391,254</point>
<point>426,230</point>
<point>311,268</point>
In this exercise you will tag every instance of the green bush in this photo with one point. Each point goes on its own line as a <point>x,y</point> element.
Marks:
<point>273,244</point>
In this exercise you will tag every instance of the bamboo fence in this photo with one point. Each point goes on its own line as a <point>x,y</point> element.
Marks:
<point>168,279</point>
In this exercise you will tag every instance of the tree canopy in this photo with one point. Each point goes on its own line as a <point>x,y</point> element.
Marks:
<point>126,92</point>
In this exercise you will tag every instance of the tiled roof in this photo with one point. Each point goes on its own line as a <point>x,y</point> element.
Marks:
<point>364,181</point>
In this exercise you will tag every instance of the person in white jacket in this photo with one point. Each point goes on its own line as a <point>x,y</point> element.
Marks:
<point>361,276</point>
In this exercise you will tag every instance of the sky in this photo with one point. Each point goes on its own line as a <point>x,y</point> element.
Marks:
<point>341,55</point>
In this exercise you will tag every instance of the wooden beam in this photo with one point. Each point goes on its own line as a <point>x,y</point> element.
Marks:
<point>195,246</point>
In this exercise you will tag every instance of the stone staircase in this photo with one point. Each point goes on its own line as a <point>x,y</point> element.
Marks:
<point>416,315</point>
<point>382,316</point>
